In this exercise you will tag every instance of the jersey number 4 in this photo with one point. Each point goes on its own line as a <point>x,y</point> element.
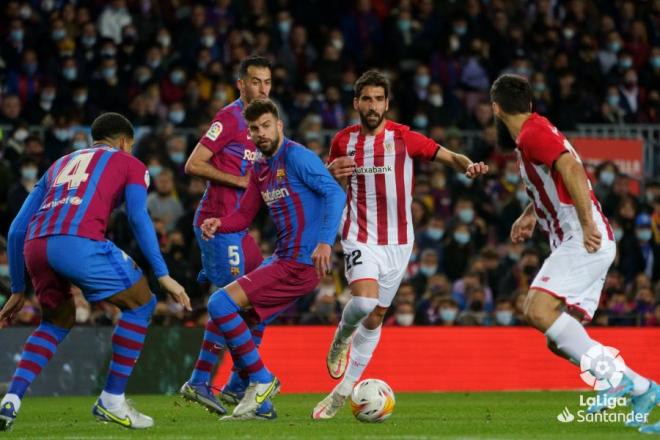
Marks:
<point>75,171</point>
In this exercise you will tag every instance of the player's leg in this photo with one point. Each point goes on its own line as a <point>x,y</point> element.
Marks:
<point>38,350</point>
<point>109,274</point>
<point>368,333</point>
<point>232,392</point>
<point>362,272</point>
<point>137,304</point>
<point>58,317</point>
<point>577,271</point>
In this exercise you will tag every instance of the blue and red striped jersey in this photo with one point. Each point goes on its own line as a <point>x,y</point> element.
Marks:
<point>233,153</point>
<point>303,199</point>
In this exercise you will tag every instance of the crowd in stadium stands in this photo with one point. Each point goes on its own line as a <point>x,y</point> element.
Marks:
<point>169,65</point>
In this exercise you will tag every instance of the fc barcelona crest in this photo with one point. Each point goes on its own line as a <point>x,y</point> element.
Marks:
<point>281,174</point>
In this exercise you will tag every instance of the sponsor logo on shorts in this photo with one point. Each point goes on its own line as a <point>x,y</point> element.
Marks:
<point>274,195</point>
<point>545,279</point>
<point>374,170</point>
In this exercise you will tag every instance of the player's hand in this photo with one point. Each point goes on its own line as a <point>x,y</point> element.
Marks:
<point>592,237</point>
<point>321,258</point>
<point>476,169</point>
<point>209,226</point>
<point>13,305</point>
<point>342,167</point>
<point>523,228</point>
<point>243,181</point>
<point>175,290</point>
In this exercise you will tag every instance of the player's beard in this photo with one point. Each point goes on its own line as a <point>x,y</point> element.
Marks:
<point>268,148</point>
<point>504,139</point>
<point>364,119</point>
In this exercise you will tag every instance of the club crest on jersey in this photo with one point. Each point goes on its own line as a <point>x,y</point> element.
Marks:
<point>214,131</point>
<point>281,174</point>
<point>274,195</point>
<point>389,146</point>
<point>235,271</point>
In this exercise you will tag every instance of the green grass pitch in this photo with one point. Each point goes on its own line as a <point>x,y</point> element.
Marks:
<point>503,415</point>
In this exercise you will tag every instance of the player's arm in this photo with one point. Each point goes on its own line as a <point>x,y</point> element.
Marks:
<point>241,218</point>
<point>523,228</point>
<point>575,179</point>
<point>143,230</point>
<point>15,242</point>
<point>460,162</point>
<point>310,170</point>
<point>199,164</point>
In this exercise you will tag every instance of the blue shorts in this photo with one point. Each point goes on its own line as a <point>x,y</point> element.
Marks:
<point>99,268</point>
<point>227,257</point>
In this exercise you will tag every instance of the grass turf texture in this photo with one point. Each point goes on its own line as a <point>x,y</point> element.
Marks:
<point>504,415</point>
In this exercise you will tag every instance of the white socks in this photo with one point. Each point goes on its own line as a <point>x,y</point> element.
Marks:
<point>640,383</point>
<point>363,345</point>
<point>112,401</point>
<point>12,398</point>
<point>355,311</point>
<point>572,339</point>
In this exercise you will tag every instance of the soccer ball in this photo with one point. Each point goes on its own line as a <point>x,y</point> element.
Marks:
<point>372,400</point>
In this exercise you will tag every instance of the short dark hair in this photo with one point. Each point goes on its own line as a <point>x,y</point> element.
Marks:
<point>111,125</point>
<point>259,107</point>
<point>513,93</point>
<point>372,78</point>
<point>253,61</point>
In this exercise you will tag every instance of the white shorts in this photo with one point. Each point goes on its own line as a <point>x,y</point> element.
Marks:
<point>575,276</point>
<point>385,264</point>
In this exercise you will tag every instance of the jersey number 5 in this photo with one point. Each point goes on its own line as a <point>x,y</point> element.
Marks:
<point>75,171</point>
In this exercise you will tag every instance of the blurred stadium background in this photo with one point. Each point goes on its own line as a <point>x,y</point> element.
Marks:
<point>169,65</point>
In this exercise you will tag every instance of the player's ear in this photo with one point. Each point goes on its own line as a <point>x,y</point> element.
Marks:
<point>355,103</point>
<point>280,125</point>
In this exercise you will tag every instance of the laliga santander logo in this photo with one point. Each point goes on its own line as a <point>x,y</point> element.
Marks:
<point>602,367</point>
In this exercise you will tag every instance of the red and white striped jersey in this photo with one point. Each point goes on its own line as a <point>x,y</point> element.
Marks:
<point>539,145</point>
<point>380,190</point>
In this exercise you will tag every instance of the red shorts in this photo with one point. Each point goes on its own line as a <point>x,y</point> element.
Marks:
<point>277,284</point>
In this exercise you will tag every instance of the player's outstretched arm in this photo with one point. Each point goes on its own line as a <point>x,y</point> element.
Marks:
<point>461,163</point>
<point>199,164</point>
<point>248,207</point>
<point>575,178</point>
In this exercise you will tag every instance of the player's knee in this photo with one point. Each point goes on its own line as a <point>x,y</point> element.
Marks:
<point>143,312</point>
<point>221,304</point>
<point>364,305</point>
<point>375,318</point>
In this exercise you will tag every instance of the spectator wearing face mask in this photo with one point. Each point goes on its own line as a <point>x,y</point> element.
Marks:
<point>461,248</point>
<point>432,237</point>
<point>19,191</point>
<point>445,312</point>
<point>163,203</point>
<point>403,316</point>
<point>172,86</point>
<point>503,315</point>
<point>177,147</point>
<point>474,313</point>
<point>511,211</point>
<point>429,263</point>
<point>605,175</point>
<point>641,253</point>
<point>465,213</point>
